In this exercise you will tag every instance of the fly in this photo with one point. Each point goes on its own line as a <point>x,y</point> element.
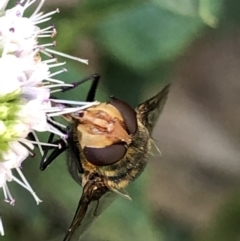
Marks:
<point>108,148</point>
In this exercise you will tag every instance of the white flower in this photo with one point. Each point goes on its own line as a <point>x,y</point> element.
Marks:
<point>33,114</point>
<point>26,85</point>
<point>10,77</point>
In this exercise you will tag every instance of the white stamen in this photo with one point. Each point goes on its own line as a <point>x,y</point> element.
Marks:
<point>45,53</point>
<point>56,65</point>
<point>4,192</point>
<point>8,196</point>
<point>71,102</point>
<point>37,15</point>
<point>45,35</point>
<point>1,227</point>
<point>55,91</point>
<point>46,15</point>
<point>70,110</point>
<point>28,4</point>
<point>57,132</point>
<point>44,144</point>
<point>19,182</point>
<point>45,30</point>
<point>57,123</point>
<point>29,187</point>
<point>26,142</point>
<point>58,72</point>
<point>58,109</point>
<point>48,61</point>
<point>30,153</point>
<point>57,85</point>
<point>37,139</point>
<point>54,80</point>
<point>85,61</point>
<point>54,109</point>
<point>38,8</point>
<point>65,111</point>
<point>49,45</point>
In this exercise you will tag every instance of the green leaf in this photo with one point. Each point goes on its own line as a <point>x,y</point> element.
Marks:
<point>208,10</point>
<point>144,36</point>
<point>183,7</point>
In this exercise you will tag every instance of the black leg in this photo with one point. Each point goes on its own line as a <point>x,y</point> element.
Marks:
<point>93,88</point>
<point>46,149</point>
<point>45,161</point>
<point>56,142</point>
<point>93,77</point>
<point>55,153</point>
<point>51,122</point>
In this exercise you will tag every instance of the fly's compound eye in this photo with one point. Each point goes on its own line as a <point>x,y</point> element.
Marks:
<point>105,156</point>
<point>128,114</point>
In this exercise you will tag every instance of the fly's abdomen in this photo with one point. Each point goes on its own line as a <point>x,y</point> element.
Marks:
<point>120,174</point>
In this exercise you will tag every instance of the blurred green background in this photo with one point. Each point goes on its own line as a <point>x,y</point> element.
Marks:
<point>192,192</point>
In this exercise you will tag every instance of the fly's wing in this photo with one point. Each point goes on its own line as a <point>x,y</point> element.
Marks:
<point>96,197</point>
<point>149,111</point>
<point>73,155</point>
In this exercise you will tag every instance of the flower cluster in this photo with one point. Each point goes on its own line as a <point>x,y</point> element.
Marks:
<point>27,82</point>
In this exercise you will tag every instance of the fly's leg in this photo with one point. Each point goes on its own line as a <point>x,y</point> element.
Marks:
<point>62,144</point>
<point>45,162</point>
<point>91,93</point>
